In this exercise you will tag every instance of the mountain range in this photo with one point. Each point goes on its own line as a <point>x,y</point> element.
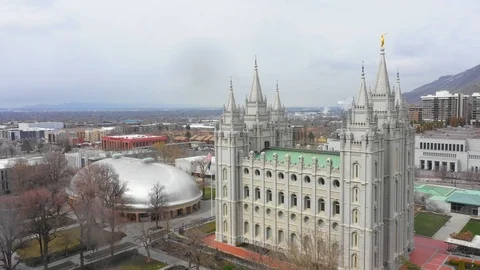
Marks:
<point>466,82</point>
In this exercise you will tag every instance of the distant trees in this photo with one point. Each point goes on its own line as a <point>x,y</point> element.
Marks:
<point>157,201</point>
<point>168,153</point>
<point>311,137</point>
<point>188,134</point>
<point>442,173</point>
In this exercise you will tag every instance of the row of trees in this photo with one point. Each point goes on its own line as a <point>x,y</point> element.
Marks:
<point>36,209</point>
<point>39,205</point>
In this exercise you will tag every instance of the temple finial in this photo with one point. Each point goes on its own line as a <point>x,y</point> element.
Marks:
<point>277,86</point>
<point>363,70</point>
<point>256,61</point>
<point>231,84</point>
<point>382,40</point>
<point>398,74</point>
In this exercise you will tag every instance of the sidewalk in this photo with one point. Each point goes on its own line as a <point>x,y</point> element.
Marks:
<point>454,225</point>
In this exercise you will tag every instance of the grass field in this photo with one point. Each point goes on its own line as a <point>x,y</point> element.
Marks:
<point>473,226</point>
<point>64,239</point>
<point>205,228</point>
<point>138,262</point>
<point>208,193</point>
<point>427,224</point>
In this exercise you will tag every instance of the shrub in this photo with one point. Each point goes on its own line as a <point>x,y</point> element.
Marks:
<point>465,236</point>
<point>466,265</point>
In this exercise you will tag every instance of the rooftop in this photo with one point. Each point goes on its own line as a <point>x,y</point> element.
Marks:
<point>449,194</point>
<point>307,154</point>
<point>461,133</point>
<point>135,136</point>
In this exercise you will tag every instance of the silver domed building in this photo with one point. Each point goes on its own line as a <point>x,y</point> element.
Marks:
<point>183,194</point>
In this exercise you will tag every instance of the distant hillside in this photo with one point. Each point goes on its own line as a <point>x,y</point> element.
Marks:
<point>466,82</point>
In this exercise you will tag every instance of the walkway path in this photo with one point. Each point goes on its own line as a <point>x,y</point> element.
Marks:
<point>454,225</point>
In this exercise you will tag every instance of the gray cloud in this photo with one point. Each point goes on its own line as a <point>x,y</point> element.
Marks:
<point>186,51</point>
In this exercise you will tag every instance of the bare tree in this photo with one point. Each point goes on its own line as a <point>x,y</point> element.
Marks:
<point>22,176</point>
<point>202,165</point>
<point>44,212</point>
<point>43,186</point>
<point>157,201</point>
<point>12,230</point>
<point>143,236</point>
<point>168,153</point>
<point>195,249</point>
<point>314,250</point>
<point>86,204</point>
<point>442,173</point>
<point>112,193</point>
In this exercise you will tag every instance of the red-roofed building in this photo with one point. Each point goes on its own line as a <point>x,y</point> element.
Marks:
<point>127,142</point>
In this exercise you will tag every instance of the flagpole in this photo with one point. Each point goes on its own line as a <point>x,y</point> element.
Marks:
<point>211,195</point>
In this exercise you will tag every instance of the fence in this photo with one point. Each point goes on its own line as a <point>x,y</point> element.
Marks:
<point>194,224</point>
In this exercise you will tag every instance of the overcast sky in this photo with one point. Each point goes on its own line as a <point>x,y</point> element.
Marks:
<point>184,52</point>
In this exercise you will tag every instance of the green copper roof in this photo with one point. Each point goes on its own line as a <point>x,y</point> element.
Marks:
<point>307,155</point>
<point>435,190</point>
<point>471,197</point>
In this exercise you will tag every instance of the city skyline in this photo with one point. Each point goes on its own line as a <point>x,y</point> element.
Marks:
<point>185,53</point>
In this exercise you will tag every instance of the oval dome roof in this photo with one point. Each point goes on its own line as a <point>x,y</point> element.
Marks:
<point>141,175</point>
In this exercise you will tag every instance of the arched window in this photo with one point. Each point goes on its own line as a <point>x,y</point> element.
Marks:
<point>307,202</point>
<point>225,226</point>
<point>307,179</point>
<point>356,170</point>
<point>293,239</point>
<point>257,172</point>
<point>280,236</point>
<point>281,198</point>
<point>225,193</point>
<point>293,177</point>
<point>336,208</point>
<point>354,239</point>
<point>375,193</point>
<point>375,215</point>
<point>354,261</point>
<point>245,227</point>
<point>321,205</point>
<point>257,194</point>
<point>225,174</point>
<point>355,216</point>
<point>293,200</point>
<point>375,239</point>
<point>269,195</point>
<point>257,230</point>
<point>268,231</point>
<point>269,174</point>
<point>355,194</point>
<point>246,192</point>
<point>376,169</point>
<point>225,209</point>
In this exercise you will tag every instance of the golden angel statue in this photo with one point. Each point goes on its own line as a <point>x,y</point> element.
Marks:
<point>382,40</point>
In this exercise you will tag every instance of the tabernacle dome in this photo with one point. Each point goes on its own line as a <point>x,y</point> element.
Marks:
<point>183,194</point>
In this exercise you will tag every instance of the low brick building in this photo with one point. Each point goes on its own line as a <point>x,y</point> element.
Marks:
<point>127,142</point>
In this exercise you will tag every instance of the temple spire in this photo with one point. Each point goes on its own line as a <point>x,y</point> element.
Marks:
<point>362,99</point>
<point>231,107</point>
<point>277,105</point>
<point>398,91</point>
<point>256,92</point>
<point>382,85</point>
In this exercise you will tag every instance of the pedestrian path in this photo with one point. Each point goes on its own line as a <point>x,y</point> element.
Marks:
<point>454,225</point>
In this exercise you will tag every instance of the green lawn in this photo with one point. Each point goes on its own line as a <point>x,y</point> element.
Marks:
<point>138,262</point>
<point>65,239</point>
<point>205,228</point>
<point>208,193</point>
<point>473,226</point>
<point>427,224</point>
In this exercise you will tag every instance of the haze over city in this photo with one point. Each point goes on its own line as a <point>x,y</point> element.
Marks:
<point>184,52</point>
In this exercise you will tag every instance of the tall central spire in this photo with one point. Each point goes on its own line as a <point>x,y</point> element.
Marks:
<point>362,99</point>
<point>256,92</point>
<point>382,85</point>
<point>277,105</point>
